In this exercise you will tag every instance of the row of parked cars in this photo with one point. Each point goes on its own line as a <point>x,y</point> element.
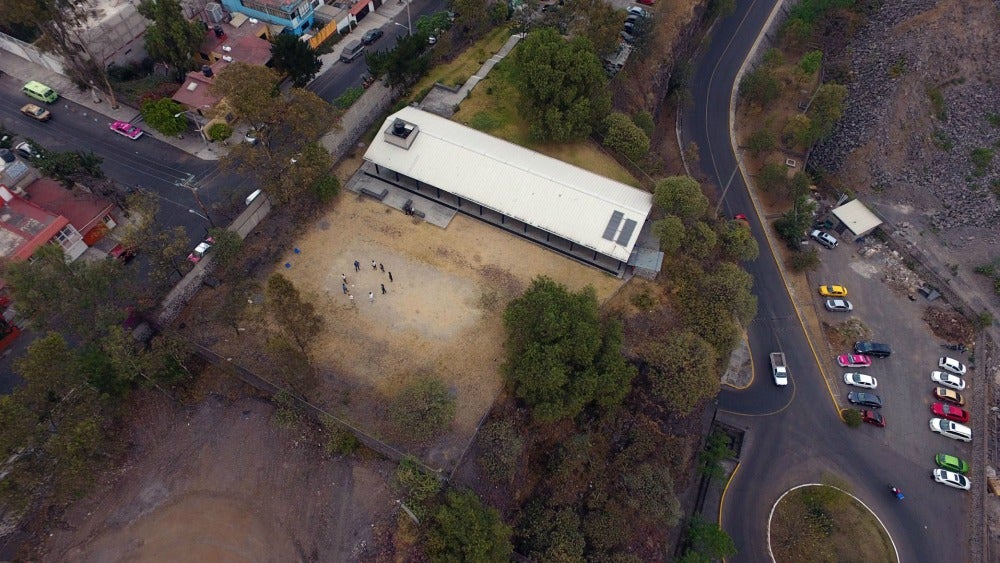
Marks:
<point>949,416</point>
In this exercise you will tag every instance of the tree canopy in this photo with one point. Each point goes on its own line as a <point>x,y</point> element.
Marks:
<point>162,115</point>
<point>463,529</point>
<point>171,38</point>
<point>682,371</point>
<point>561,355</point>
<point>405,63</point>
<point>681,196</point>
<point>563,85</point>
<point>296,58</point>
<point>296,316</point>
<point>625,137</point>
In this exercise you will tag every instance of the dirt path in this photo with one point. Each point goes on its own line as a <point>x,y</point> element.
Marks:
<point>221,482</point>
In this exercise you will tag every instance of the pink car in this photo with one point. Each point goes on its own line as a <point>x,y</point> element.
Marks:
<point>854,361</point>
<point>127,129</point>
<point>201,250</point>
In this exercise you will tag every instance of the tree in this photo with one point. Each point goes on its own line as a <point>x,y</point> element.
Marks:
<point>561,356</point>
<point>61,22</point>
<point>644,120</point>
<point>670,231</point>
<point>625,137</point>
<point>810,62</point>
<point>773,177</point>
<point>219,131</point>
<point>500,450</point>
<point>312,166</point>
<point>82,298</point>
<point>599,22</point>
<point>682,371</point>
<point>563,84</point>
<point>681,196</point>
<point>708,541</point>
<point>760,86</point>
<point>474,19</point>
<point>826,108</point>
<point>649,488</point>
<point>419,486</point>
<point>422,409</point>
<point>792,225</point>
<point>69,167</point>
<point>738,242</point>
<point>405,63</point>
<point>171,38</point>
<point>228,245</point>
<point>551,534</point>
<point>296,58</point>
<point>252,92</point>
<point>760,142</point>
<point>167,251</point>
<point>297,317</point>
<point>463,529</point>
<point>165,115</point>
<point>798,131</point>
<point>716,450</point>
<point>700,241</point>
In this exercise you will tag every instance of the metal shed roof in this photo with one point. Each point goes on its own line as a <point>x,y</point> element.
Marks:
<point>858,218</point>
<point>580,206</point>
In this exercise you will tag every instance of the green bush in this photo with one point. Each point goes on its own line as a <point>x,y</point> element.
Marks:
<point>760,86</point>
<point>220,131</point>
<point>760,142</point>
<point>501,449</point>
<point>626,137</point>
<point>982,160</point>
<point>852,417</point>
<point>287,412</point>
<point>338,440</point>
<point>804,261</point>
<point>810,62</point>
<point>348,98</point>
<point>418,486</point>
<point>326,188</point>
<point>644,120</point>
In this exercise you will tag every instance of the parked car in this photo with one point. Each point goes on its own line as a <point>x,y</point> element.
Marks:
<point>122,253</point>
<point>824,238</point>
<point>647,2</point>
<point>201,250</point>
<point>35,112</point>
<point>839,305</point>
<point>952,365</point>
<point>860,380</point>
<point>950,412</point>
<point>638,11</point>
<point>870,400</point>
<point>126,129</point>
<point>952,463</point>
<point>833,291</point>
<point>951,429</point>
<point>873,418</point>
<point>627,37</point>
<point>371,36</point>
<point>854,361</point>
<point>948,380</point>
<point>873,349</point>
<point>27,150</point>
<point>951,479</point>
<point>949,395</point>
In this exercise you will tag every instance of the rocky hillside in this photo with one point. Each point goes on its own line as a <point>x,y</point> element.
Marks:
<point>923,121</point>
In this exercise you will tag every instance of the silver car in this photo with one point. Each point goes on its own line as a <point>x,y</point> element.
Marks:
<point>839,305</point>
<point>824,238</point>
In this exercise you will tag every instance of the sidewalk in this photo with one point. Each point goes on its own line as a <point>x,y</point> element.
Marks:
<point>386,14</point>
<point>21,70</point>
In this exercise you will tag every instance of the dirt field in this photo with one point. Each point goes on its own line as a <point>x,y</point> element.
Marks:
<point>441,314</point>
<point>221,482</point>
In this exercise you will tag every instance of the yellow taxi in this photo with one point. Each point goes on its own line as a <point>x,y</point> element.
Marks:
<point>833,291</point>
<point>35,112</point>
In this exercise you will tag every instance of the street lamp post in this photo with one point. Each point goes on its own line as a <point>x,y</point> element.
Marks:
<point>204,212</point>
<point>197,122</point>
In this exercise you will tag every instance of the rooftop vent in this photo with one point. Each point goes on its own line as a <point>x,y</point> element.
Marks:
<point>192,86</point>
<point>401,133</point>
<point>207,71</point>
<point>7,156</point>
<point>254,21</point>
<point>227,58</point>
<point>227,48</point>
<point>218,30</point>
<point>214,12</point>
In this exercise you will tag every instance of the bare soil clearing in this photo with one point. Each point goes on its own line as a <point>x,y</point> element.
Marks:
<point>220,481</point>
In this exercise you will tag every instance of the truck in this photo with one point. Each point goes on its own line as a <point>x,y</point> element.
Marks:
<point>779,369</point>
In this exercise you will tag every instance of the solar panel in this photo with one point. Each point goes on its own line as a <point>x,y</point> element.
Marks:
<point>612,228</point>
<point>626,233</point>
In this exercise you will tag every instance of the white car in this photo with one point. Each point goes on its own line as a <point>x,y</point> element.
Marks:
<point>948,380</point>
<point>860,380</point>
<point>839,305</point>
<point>951,479</point>
<point>950,429</point>
<point>636,10</point>
<point>952,365</point>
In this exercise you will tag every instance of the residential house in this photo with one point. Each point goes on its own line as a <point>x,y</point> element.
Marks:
<point>25,227</point>
<point>295,16</point>
<point>90,215</point>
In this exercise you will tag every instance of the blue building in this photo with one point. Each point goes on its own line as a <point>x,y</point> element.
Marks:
<point>295,15</point>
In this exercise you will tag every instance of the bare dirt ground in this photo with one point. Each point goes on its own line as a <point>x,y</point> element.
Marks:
<point>218,481</point>
<point>441,314</point>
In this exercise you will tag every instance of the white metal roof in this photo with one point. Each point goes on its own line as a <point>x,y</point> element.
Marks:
<point>541,191</point>
<point>858,218</point>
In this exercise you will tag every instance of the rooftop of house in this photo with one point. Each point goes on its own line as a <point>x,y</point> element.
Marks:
<point>241,39</point>
<point>24,227</point>
<point>195,92</point>
<point>82,209</point>
<point>286,5</point>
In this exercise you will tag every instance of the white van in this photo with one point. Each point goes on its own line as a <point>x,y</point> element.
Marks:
<point>352,50</point>
<point>952,430</point>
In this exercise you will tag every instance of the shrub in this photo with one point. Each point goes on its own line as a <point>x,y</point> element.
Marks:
<point>220,132</point>
<point>982,159</point>
<point>760,86</point>
<point>338,440</point>
<point>287,412</point>
<point>852,417</point>
<point>625,137</point>
<point>760,142</point>
<point>810,62</point>
<point>326,188</point>
<point>644,120</point>
<point>422,409</point>
<point>773,177</point>
<point>804,261</point>
<point>501,451</point>
<point>348,98</point>
<point>419,486</point>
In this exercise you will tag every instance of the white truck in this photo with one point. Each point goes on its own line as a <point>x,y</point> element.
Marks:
<point>778,369</point>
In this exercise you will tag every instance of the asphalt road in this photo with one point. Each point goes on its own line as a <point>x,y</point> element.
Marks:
<point>794,435</point>
<point>342,76</point>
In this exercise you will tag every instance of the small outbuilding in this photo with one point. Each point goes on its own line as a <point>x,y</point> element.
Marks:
<point>857,218</point>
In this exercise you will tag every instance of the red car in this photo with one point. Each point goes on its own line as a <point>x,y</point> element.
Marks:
<point>950,412</point>
<point>854,361</point>
<point>647,2</point>
<point>873,418</point>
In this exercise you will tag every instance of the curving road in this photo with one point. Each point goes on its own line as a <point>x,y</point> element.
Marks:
<point>794,435</point>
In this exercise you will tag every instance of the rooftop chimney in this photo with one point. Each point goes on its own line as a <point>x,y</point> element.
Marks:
<point>218,30</point>
<point>207,71</point>
<point>401,133</point>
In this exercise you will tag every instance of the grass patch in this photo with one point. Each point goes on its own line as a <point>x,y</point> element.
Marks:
<point>982,160</point>
<point>132,91</point>
<point>942,140</point>
<point>458,70</point>
<point>938,108</point>
<point>821,524</point>
<point>348,98</point>
<point>993,119</point>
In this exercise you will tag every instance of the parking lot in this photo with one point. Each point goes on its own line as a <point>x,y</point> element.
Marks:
<point>880,292</point>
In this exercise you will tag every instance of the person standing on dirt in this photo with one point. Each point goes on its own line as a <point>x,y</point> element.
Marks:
<point>357,266</point>
<point>371,297</point>
<point>383,289</point>
<point>374,266</point>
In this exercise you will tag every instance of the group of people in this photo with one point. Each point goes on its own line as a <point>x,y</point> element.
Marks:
<point>376,266</point>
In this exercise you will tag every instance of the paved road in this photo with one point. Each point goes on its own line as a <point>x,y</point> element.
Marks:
<point>795,435</point>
